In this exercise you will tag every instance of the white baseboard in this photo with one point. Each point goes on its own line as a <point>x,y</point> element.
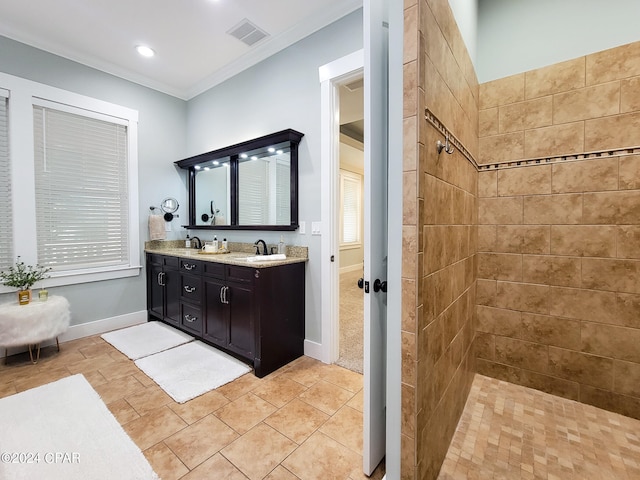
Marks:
<point>91,328</point>
<point>313,350</point>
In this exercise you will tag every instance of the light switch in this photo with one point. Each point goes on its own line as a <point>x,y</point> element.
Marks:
<point>315,228</point>
<point>302,227</point>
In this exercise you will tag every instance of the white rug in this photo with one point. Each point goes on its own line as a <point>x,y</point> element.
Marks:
<point>190,370</point>
<point>146,339</point>
<point>63,430</point>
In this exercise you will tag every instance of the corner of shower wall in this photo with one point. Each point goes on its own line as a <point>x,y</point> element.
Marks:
<point>558,289</point>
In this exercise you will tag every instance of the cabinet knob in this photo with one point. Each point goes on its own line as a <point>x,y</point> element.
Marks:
<point>189,289</point>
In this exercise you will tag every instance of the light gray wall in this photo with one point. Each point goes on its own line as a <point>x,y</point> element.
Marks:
<point>466,15</point>
<point>281,92</point>
<point>162,140</point>
<point>515,36</point>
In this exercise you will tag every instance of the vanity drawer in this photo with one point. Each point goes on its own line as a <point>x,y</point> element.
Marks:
<point>190,266</point>
<point>214,269</point>
<point>240,274</point>
<point>191,318</point>
<point>164,260</point>
<point>191,288</point>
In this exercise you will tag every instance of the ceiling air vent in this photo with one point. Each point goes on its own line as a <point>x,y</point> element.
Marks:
<point>247,32</point>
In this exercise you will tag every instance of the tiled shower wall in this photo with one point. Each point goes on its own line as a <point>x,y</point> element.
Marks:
<point>558,287</point>
<point>439,236</point>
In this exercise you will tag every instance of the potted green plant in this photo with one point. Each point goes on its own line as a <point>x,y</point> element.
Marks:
<point>23,277</point>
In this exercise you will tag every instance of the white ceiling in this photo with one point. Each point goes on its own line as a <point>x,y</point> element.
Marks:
<point>193,50</point>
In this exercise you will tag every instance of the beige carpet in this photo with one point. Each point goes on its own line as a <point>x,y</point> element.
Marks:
<point>351,322</point>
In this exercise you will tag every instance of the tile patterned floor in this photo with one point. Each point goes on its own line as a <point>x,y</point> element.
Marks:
<point>512,432</point>
<point>303,421</point>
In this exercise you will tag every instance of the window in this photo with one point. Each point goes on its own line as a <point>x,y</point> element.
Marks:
<point>350,208</point>
<point>81,190</point>
<point>72,174</point>
<point>6,227</point>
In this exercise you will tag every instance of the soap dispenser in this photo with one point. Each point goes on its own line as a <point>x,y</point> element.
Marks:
<point>281,246</point>
<point>225,245</point>
<point>215,244</point>
<point>187,242</point>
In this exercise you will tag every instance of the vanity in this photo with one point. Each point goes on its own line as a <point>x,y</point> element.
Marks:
<point>251,310</point>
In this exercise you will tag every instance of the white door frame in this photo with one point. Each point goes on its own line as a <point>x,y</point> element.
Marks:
<point>332,75</point>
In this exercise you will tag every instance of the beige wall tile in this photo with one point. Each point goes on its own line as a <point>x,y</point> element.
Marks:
<point>585,103</point>
<point>498,321</point>
<point>614,132</point>
<point>627,310</point>
<point>581,367</point>
<point>613,64</point>
<point>583,304</point>
<point>630,95</point>
<point>524,181</point>
<point>614,402</point>
<point>410,89</point>
<point>553,209</point>
<point>549,384</point>
<point>411,18</point>
<point>518,353</point>
<point>522,239</point>
<point>610,341</point>
<point>511,117</point>
<point>488,184</point>
<point>499,371</point>
<point>559,77</point>
<point>556,331</point>
<point>523,297</point>
<point>487,238</point>
<point>486,292</point>
<point>500,211</point>
<point>484,345</point>
<point>538,112</point>
<point>612,208</point>
<point>410,144</point>
<point>555,140</point>
<point>501,148</point>
<point>628,241</point>
<point>502,91</point>
<point>585,176</point>
<point>626,378</point>
<point>583,240</point>
<point>550,270</point>
<point>488,122</point>
<point>629,172</point>
<point>500,266</point>
<point>612,275</point>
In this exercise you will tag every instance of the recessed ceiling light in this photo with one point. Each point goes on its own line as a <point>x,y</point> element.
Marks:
<point>145,51</point>
<point>271,149</point>
<point>243,155</point>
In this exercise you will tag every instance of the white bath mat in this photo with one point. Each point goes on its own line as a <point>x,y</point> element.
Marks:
<point>64,431</point>
<point>190,370</point>
<point>146,339</point>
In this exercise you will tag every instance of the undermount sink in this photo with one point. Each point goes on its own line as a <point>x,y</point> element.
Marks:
<point>276,257</point>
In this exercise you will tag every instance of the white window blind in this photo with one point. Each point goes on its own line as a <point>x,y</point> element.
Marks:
<point>253,205</point>
<point>350,194</point>
<point>82,203</point>
<point>6,223</point>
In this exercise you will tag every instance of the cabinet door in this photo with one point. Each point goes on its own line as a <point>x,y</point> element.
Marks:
<point>172,295</point>
<point>155,291</point>
<point>216,313</point>
<point>241,319</point>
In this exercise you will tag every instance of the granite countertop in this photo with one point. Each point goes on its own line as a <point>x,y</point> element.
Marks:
<point>238,254</point>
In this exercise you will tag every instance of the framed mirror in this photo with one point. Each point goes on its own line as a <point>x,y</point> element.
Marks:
<point>250,185</point>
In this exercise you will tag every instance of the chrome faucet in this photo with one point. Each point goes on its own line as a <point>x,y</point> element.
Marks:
<point>264,246</point>
<point>193,239</point>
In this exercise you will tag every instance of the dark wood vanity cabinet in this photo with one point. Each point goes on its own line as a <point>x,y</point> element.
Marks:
<point>256,314</point>
<point>163,288</point>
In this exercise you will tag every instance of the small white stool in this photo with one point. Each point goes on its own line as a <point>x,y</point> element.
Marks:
<point>33,323</point>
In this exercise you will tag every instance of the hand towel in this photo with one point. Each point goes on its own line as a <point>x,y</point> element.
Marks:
<point>156,228</point>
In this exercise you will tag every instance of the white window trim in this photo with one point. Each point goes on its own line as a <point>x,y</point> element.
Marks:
<point>23,94</point>
<point>358,243</point>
